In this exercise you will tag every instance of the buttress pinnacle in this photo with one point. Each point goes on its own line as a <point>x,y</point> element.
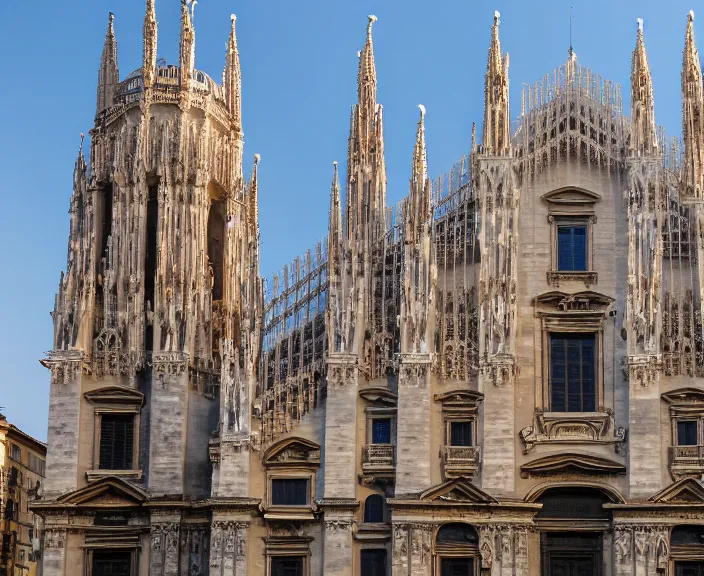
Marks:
<point>108,75</point>
<point>335,226</point>
<point>366,79</point>
<point>187,46</point>
<point>232,78</point>
<point>150,45</point>
<point>643,129</point>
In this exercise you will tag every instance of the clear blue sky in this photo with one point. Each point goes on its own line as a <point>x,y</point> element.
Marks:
<point>299,69</point>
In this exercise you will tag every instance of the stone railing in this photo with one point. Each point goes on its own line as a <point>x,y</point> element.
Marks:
<point>686,460</point>
<point>378,462</point>
<point>460,460</point>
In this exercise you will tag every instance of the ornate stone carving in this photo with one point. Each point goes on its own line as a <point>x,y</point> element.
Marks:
<point>54,538</point>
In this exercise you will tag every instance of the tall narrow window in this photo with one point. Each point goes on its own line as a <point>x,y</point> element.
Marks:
<point>381,431</point>
<point>150,262</point>
<point>572,373</point>
<point>106,219</point>
<point>572,248</point>
<point>460,433</point>
<point>216,246</point>
<point>373,562</point>
<point>116,441</point>
<point>687,433</point>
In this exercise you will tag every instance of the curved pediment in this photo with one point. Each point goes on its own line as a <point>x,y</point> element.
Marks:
<point>584,301</point>
<point>684,491</point>
<point>575,463</point>
<point>571,196</point>
<point>109,491</point>
<point>459,397</point>
<point>293,451</point>
<point>379,395</point>
<point>684,396</point>
<point>459,490</point>
<point>115,395</point>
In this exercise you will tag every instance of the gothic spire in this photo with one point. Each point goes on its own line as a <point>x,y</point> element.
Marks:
<point>254,195</point>
<point>495,139</point>
<point>418,203</point>
<point>366,78</point>
<point>108,75</point>
<point>692,109</point>
<point>232,78</point>
<point>150,45</point>
<point>187,46</point>
<point>335,226</point>
<point>644,138</point>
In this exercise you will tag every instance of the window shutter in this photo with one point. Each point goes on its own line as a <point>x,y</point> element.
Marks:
<point>574,370</point>
<point>116,441</point>
<point>588,375</point>
<point>687,433</point>
<point>579,246</point>
<point>564,248</point>
<point>373,562</point>
<point>374,508</point>
<point>381,431</point>
<point>558,377</point>
<point>460,433</point>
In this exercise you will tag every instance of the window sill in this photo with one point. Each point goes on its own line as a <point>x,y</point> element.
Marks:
<point>93,475</point>
<point>557,276</point>
<point>373,532</point>
<point>289,513</point>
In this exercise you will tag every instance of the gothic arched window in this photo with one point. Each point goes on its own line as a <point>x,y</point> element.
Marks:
<point>374,509</point>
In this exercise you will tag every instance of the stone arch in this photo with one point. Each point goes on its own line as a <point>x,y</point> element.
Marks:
<point>613,494</point>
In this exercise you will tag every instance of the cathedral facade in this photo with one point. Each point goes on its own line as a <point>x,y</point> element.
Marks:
<point>503,375</point>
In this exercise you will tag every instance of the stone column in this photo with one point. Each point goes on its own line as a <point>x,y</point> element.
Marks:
<point>164,549</point>
<point>64,414</point>
<point>413,422</point>
<point>168,423</point>
<point>400,547</point>
<point>228,546</point>
<point>54,555</point>
<point>644,435</point>
<point>337,556</point>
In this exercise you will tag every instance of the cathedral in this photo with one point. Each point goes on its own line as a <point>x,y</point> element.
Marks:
<point>503,375</point>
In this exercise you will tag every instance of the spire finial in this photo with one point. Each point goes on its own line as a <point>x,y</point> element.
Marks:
<point>366,79</point>
<point>644,138</point>
<point>691,15</point>
<point>108,75</point>
<point>187,46</point>
<point>80,148</point>
<point>150,45</point>
<point>232,77</point>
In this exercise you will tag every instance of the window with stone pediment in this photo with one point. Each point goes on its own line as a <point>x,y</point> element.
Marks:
<point>460,452</point>
<point>686,407</point>
<point>572,372</point>
<point>572,220</point>
<point>116,411</point>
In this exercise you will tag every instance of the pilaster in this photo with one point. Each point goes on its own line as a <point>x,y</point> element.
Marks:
<point>504,550</point>
<point>64,415</point>
<point>412,546</point>
<point>169,422</point>
<point>640,550</point>
<point>229,545</point>
<point>338,553</point>
<point>413,433</point>
<point>54,554</point>
<point>340,475</point>
<point>164,548</point>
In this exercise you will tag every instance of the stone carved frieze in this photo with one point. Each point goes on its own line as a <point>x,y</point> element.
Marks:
<point>55,538</point>
<point>644,371</point>
<point>341,373</point>
<point>338,525</point>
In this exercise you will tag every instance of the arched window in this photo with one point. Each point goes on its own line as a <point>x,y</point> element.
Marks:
<point>374,509</point>
<point>216,247</point>
<point>687,536</point>
<point>457,550</point>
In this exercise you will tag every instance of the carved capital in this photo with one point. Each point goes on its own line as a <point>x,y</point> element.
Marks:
<point>342,371</point>
<point>55,538</point>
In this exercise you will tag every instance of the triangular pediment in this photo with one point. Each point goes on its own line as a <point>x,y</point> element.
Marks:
<point>379,395</point>
<point>459,397</point>
<point>110,491</point>
<point>684,396</point>
<point>459,490</point>
<point>684,491</point>
<point>585,300</point>
<point>576,463</point>
<point>293,451</point>
<point>571,196</point>
<point>115,395</point>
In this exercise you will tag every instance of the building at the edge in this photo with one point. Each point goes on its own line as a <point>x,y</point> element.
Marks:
<point>22,464</point>
<point>503,375</point>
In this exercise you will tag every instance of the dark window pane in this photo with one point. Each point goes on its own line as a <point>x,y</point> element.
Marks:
<point>457,532</point>
<point>112,563</point>
<point>289,492</point>
<point>571,248</point>
<point>374,508</point>
<point>381,431</point>
<point>687,433</point>
<point>286,566</point>
<point>573,373</point>
<point>373,562</point>
<point>116,441</point>
<point>460,433</point>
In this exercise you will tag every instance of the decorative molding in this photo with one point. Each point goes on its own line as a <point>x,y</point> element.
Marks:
<point>378,395</point>
<point>293,451</point>
<point>111,486</point>
<point>572,463</point>
<point>115,395</point>
<point>460,397</point>
<point>644,370</point>
<point>571,196</point>
<point>457,491</point>
<point>684,491</point>
<point>557,277</point>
